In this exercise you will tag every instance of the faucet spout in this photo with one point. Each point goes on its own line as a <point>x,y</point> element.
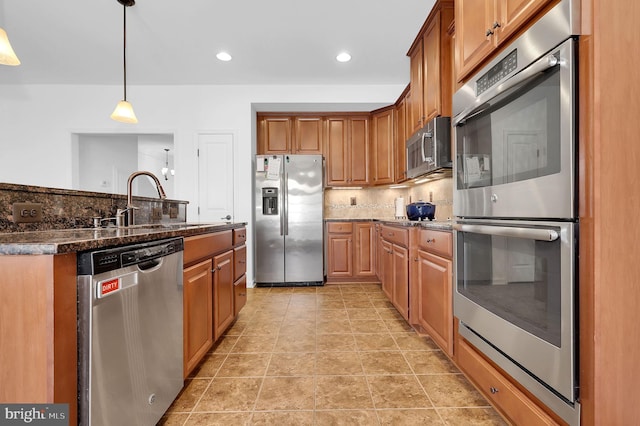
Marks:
<point>130,207</point>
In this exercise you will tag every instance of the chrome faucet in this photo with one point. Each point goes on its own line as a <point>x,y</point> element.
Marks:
<point>130,207</point>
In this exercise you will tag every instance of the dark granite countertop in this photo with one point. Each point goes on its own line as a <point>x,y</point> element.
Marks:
<point>81,239</point>
<point>441,225</point>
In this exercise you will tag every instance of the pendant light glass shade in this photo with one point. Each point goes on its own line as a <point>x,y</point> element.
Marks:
<point>124,113</point>
<point>7,55</point>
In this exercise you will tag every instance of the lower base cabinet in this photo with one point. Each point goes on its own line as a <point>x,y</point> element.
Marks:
<point>215,290</point>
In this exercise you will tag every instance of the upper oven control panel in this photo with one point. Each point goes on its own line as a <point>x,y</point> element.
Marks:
<point>497,72</point>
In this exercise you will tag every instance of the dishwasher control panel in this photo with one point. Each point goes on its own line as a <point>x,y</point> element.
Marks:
<point>97,262</point>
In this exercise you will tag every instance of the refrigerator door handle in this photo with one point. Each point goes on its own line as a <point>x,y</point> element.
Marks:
<point>285,199</point>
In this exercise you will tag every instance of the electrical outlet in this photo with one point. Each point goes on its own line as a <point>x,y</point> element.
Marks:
<point>430,197</point>
<point>353,201</point>
<point>27,212</point>
<point>156,213</point>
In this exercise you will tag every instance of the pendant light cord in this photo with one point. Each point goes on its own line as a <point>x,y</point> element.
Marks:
<point>124,50</point>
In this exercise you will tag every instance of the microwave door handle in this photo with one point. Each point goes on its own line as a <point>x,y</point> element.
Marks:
<point>548,61</point>
<point>503,231</point>
<point>426,135</point>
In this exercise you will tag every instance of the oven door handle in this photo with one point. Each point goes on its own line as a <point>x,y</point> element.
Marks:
<point>546,62</point>
<point>504,231</point>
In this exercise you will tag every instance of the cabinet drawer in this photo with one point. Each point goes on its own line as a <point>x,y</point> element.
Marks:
<point>340,227</point>
<point>436,242</point>
<point>239,236</point>
<point>505,396</point>
<point>396,235</point>
<point>239,261</point>
<point>206,245</point>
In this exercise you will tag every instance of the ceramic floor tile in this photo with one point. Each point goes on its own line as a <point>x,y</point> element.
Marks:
<point>397,325</point>
<point>254,344</point>
<point>376,342</point>
<point>430,362</point>
<point>284,418</point>
<point>380,362</point>
<point>292,364</point>
<point>332,314</point>
<point>237,328</point>
<point>219,419</point>
<point>263,328</point>
<point>358,303</point>
<point>298,326</point>
<point>342,392</point>
<point>346,418</point>
<point>208,367</point>
<point>398,392</point>
<point>338,363</point>
<point>335,342</point>
<point>413,342</point>
<point>295,343</point>
<point>230,394</point>
<point>173,419</point>
<point>389,313</point>
<point>427,416</point>
<point>244,365</point>
<point>331,304</point>
<point>189,395</point>
<point>362,314</point>
<point>225,344</point>
<point>333,326</point>
<point>471,416</point>
<point>286,393</point>
<point>451,390</point>
<point>367,326</point>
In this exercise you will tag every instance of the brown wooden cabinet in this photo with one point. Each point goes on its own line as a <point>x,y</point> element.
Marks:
<point>430,72</point>
<point>484,25</point>
<point>431,287</point>
<point>382,146</point>
<point>395,275</point>
<point>223,291</point>
<point>350,251</point>
<point>290,134</point>
<point>347,151</point>
<point>198,311</point>
<point>401,136</point>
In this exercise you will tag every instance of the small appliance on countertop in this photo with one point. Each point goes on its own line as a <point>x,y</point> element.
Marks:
<point>421,210</point>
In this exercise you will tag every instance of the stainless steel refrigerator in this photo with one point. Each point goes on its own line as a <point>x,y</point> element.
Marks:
<point>288,220</point>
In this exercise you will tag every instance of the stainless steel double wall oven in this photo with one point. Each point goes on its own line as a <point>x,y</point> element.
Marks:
<point>515,204</point>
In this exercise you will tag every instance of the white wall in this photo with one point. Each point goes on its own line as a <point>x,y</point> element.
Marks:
<point>36,123</point>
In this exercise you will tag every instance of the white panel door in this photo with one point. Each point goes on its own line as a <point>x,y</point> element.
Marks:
<point>216,176</point>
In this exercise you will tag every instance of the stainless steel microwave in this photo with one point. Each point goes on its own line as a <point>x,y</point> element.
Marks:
<point>429,149</point>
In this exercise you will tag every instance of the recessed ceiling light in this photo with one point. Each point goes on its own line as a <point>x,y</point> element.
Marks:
<point>223,56</point>
<point>343,57</point>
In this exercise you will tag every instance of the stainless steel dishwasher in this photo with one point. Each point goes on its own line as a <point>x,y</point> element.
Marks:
<point>129,332</point>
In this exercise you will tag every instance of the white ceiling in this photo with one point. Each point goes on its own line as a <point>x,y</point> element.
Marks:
<point>175,42</point>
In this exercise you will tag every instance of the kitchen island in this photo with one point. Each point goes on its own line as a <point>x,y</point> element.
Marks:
<point>38,297</point>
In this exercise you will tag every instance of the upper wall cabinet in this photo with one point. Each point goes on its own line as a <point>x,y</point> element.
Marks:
<point>401,135</point>
<point>347,150</point>
<point>382,146</point>
<point>484,25</point>
<point>287,134</point>
<point>431,68</point>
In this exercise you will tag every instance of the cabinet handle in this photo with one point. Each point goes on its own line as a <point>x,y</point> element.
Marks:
<point>415,259</point>
<point>495,25</point>
<point>488,33</point>
<point>391,234</point>
<point>241,261</point>
<point>240,235</point>
<point>242,294</point>
<point>493,390</point>
<point>431,240</point>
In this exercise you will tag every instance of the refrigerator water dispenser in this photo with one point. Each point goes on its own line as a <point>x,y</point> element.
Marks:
<point>270,201</point>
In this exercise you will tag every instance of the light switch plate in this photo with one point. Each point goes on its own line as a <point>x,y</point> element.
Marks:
<point>27,212</point>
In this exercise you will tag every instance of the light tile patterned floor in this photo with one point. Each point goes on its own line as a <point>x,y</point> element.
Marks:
<point>332,355</point>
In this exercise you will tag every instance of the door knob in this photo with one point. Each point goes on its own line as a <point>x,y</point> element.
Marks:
<point>227,217</point>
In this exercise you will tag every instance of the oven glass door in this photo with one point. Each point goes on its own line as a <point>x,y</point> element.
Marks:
<point>519,146</point>
<point>514,288</point>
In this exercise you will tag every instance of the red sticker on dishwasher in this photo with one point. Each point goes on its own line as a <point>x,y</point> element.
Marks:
<point>107,287</point>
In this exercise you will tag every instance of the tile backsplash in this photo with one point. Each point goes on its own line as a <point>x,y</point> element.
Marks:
<point>379,203</point>
<point>64,209</point>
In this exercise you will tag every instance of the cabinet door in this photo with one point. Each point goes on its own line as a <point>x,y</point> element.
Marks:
<point>337,151</point>
<point>434,296</point>
<point>513,14</point>
<point>473,19</point>
<point>382,148</point>
<point>198,309</point>
<point>223,308</point>
<point>339,252</point>
<point>307,136</point>
<point>359,151</point>
<point>416,114</point>
<point>239,295</point>
<point>401,280</point>
<point>401,137</point>
<point>387,269</point>
<point>274,136</point>
<point>239,262</point>
<point>364,254</point>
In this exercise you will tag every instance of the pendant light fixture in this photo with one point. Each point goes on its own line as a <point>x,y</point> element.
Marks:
<point>124,111</point>
<point>165,170</point>
<point>7,55</point>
